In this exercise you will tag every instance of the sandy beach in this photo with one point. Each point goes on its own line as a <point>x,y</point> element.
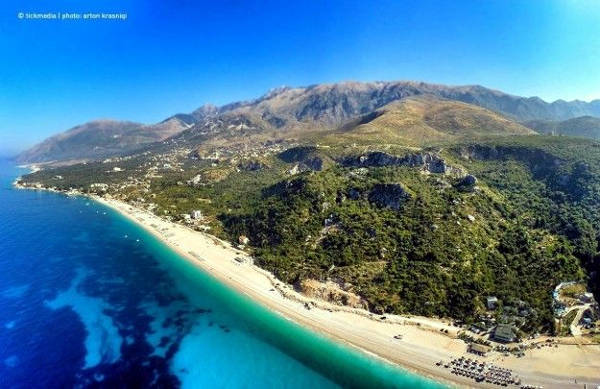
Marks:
<point>421,345</point>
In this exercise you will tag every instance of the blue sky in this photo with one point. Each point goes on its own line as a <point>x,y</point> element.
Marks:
<point>172,56</point>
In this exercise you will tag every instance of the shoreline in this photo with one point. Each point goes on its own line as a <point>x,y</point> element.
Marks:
<point>422,343</point>
<point>280,288</point>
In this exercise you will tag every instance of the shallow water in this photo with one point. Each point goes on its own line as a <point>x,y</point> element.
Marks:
<point>87,298</point>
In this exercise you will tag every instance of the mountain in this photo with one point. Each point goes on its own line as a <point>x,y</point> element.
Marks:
<point>296,112</point>
<point>224,126</point>
<point>424,119</point>
<point>333,104</point>
<point>205,111</point>
<point>414,198</point>
<point>100,139</point>
<point>300,112</point>
<point>583,126</point>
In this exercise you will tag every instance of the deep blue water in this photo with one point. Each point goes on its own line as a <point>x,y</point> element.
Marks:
<point>88,299</point>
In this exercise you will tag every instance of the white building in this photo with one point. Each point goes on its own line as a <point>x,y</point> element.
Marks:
<point>196,214</point>
<point>492,302</point>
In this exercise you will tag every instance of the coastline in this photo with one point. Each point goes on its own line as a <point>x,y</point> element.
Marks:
<point>422,343</point>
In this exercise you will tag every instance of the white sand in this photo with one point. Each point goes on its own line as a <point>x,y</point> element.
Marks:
<point>422,344</point>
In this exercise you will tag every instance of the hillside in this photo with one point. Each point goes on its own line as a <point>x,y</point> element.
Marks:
<point>426,119</point>
<point>422,205</point>
<point>100,139</point>
<point>583,126</point>
<point>430,231</point>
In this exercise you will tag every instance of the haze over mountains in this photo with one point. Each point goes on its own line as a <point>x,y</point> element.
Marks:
<point>583,126</point>
<point>100,139</point>
<point>295,112</point>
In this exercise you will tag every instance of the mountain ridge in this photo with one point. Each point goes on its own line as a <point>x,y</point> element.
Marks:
<point>317,107</point>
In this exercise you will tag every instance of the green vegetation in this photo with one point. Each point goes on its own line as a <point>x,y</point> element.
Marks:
<point>573,291</point>
<point>408,241</point>
<point>426,258</point>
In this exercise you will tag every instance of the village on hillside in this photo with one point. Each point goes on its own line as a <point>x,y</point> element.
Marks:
<point>577,320</point>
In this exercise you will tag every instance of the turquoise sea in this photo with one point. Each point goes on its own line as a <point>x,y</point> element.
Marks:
<point>89,299</point>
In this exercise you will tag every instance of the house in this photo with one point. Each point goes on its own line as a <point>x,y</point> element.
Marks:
<point>196,214</point>
<point>99,186</point>
<point>504,333</point>
<point>479,349</point>
<point>196,180</point>
<point>492,302</point>
<point>243,239</point>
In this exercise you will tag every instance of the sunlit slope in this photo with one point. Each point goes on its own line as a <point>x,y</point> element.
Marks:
<point>426,119</point>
